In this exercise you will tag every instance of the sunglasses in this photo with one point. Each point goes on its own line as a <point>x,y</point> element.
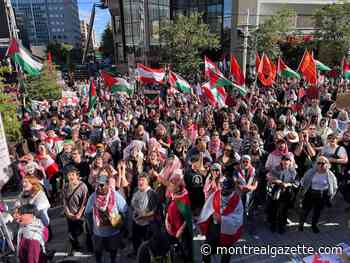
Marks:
<point>321,163</point>
<point>245,161</point>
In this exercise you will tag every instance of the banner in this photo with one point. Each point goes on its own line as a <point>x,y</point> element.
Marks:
<point>5,172</point>
<point>69,98</point>
<point>40,105</point>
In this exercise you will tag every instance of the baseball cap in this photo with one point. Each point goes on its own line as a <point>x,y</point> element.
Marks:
<point>246,157</point>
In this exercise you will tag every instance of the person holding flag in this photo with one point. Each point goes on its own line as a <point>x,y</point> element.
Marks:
<point>221,219</point>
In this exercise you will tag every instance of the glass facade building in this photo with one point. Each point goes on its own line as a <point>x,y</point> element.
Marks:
<point>47,21</point>
<point>137,27</point>
<point>216,13</point>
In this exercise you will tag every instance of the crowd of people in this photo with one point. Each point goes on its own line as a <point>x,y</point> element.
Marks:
<point>131,172</point>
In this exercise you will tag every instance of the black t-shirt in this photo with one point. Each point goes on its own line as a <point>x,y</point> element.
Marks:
<point>194,185</point>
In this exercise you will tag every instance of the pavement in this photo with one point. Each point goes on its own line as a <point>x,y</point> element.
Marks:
<point>257,236</point>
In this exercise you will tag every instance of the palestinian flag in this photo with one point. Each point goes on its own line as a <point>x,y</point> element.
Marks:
<point>307,67</point>
<point>152,97</point>
<point>210,67</point>
<point>321,67</point>
<point>23,58</point>
<point>150,75</point>
<point>284,71</point>
<point>236,71</point>
<point>216,96</point>
<point>345,68</point>
<point>92,96</point>
<point>231,226</point>
<point>116,84</point>
<point>179,83</point>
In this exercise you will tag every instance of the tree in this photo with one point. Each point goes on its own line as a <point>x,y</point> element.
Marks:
<point>275,28</point>
<point>333,32</point>
<point>107,48</point>
<point>45,86</point>
<point>185,39</point>
<point>8,111</point>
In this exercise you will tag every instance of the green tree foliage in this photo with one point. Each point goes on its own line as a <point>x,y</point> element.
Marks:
<point>333,32</point>
<point>185,39</point>
<point>107,42</point>
<point>64,54</point>
<point>273,29</point>
<point>8,110</point>
<point>44,87</point>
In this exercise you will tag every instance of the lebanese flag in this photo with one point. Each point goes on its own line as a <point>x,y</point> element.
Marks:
<point>307,67</point>
<point>345,68</point>
<point>49,165</point>
<point>231,226</point>
<point>284,71</point>
<point>210,67</point>
<point>236,71</point>
<point>216,96</point>
<point>266,71</point>
<point>150,75</point>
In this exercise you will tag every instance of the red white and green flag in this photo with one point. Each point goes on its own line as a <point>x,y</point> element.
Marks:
<point>284,71</point>
<point>210,67</point>
<point>217,79</point>
<point>345,68</point>
<point>149,75</point>
<point>321,67</point>
<point>92,96</point>
<point>179,83</point>
<point>216,96</point>
<point>117,84</point>
<point>23,58</point>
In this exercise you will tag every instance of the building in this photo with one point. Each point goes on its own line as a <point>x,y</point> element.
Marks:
<point>8,27</point>
<point>84,34</point>
<point>136,23</point>
<point>49,21</point>
<point>136,28</point>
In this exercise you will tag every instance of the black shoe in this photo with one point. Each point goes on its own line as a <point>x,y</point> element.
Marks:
<point>315,229</point>
<point>273,228</point>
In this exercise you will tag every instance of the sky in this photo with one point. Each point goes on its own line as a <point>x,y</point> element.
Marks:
<point>102,17</point>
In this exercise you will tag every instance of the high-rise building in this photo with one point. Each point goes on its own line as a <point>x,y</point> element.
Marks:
<point>136,26</point>
<point>49,20</point>
<point>84,33</point>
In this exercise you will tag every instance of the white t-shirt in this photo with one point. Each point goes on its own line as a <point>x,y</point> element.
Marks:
<point>329,152</point>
